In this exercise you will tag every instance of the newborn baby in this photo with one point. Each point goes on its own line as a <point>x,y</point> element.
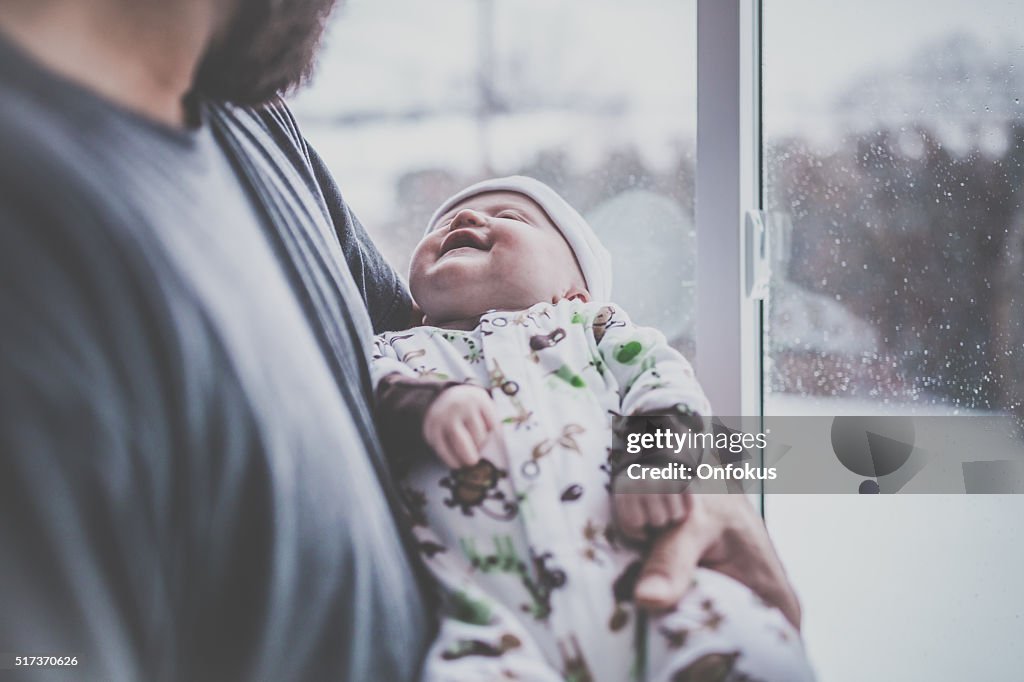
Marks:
<point>496,414</point>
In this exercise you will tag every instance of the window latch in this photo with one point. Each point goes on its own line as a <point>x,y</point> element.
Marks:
<point>757,254</point>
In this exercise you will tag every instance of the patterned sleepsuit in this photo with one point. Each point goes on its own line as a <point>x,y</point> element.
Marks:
<point>537,585</point>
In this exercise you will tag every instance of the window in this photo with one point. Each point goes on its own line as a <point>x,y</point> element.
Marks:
<point>886,142</point>
<point>414,101</point>
<point>894,142</point>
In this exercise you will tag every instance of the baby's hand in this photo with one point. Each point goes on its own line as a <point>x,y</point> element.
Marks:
<point>639,513</point>
<point>458,423</point>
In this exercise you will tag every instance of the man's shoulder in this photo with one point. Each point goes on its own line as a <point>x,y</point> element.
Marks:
<point>268,125</point>
<point>275,118</point>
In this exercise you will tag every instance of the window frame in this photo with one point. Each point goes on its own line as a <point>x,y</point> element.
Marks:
<point>729,186</point>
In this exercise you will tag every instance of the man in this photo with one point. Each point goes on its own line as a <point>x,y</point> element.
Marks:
<point>190,482</point>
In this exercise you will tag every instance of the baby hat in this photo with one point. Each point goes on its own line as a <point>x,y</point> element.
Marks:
<point>593,257</point>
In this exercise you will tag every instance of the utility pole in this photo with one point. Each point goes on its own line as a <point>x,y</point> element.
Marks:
<point>486,99</point>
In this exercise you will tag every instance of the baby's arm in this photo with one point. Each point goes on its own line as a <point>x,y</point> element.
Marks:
<point>415,414</point>
<point>457,424</point>
<point>653,379</point>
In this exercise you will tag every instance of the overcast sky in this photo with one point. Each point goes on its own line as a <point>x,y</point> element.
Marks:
<point>385,53</point>
<point>580,58</point>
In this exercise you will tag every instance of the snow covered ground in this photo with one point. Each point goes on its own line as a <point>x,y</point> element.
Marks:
<point>903,587</point>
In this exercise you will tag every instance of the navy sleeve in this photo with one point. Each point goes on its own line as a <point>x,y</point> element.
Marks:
<point>386,295</point>
<point>384,292</point>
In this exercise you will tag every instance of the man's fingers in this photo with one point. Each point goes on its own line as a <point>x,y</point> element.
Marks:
<point>670,566</point>
<point>655,510</point>
<point>674,506</point>
<point>629,513</point>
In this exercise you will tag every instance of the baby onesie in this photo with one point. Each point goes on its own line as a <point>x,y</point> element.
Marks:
<point>535,581</point>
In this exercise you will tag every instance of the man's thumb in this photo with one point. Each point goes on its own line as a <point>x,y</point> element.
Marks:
<point>670,568</point>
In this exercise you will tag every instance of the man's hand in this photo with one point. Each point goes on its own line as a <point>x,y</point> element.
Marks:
<point>458,423</point>
<point>720,532</point>
<point>642,512</point>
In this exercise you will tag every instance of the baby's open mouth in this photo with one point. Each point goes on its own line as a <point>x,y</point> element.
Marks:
<point>460,239</point>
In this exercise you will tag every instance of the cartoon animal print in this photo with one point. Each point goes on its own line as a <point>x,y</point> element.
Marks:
<point>566,440</point>
<point>650,375</point>
<point>430,549</point>
<point>716,667</point>
<point>600,540</point>
<point>605,320</point>
<point>522,417</point>
<point>465,608</point>
<point>477,647</point>
<point>574,665</point>
<point>545,580</point>
<point>572,493</point>
<point>379,343</point>
<point>527,319</point>
<point>629,352</point>
<point>476,487</point>
<point>504,559</point>
<point>712,617</point>
<point>473,352</point>
<point>675,638</point>
<point>407,358</point>
<point>541,341</point>
<point>566,374</point>
<point>622,591</point>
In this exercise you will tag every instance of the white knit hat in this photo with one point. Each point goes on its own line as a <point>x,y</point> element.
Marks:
<point>594,259</point>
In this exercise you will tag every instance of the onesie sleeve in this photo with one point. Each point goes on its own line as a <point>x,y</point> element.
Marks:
<point>653,377</point>
<point>402,399</point>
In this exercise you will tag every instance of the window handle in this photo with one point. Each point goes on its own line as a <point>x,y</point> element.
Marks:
<point>757,254</point>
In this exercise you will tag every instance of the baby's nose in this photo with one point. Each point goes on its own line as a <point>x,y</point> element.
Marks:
<point>467,217</point>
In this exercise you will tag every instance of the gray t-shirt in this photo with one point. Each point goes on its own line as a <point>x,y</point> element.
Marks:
<point>191,487</point>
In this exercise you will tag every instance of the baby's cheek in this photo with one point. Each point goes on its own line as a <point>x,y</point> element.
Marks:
<point>417,264</point>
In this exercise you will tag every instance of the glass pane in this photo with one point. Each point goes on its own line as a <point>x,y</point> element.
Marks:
<point>894,141</point>
<point>415,100</point>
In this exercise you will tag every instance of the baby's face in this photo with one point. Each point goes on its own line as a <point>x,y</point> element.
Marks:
<point>497,250</point>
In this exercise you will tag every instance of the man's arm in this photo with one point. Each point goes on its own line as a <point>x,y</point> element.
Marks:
<point>384,292</point>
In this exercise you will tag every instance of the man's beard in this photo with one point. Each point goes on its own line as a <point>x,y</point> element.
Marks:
<point>269,48</point>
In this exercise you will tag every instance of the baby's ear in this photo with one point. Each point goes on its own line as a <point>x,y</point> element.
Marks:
<point>416,318</point>
<point>578,294</point>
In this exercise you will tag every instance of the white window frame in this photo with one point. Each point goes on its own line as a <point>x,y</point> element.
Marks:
<point>728,185</point>
<point>729,358</point>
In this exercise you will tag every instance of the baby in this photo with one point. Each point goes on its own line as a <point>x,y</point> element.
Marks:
<point>497,413</point>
